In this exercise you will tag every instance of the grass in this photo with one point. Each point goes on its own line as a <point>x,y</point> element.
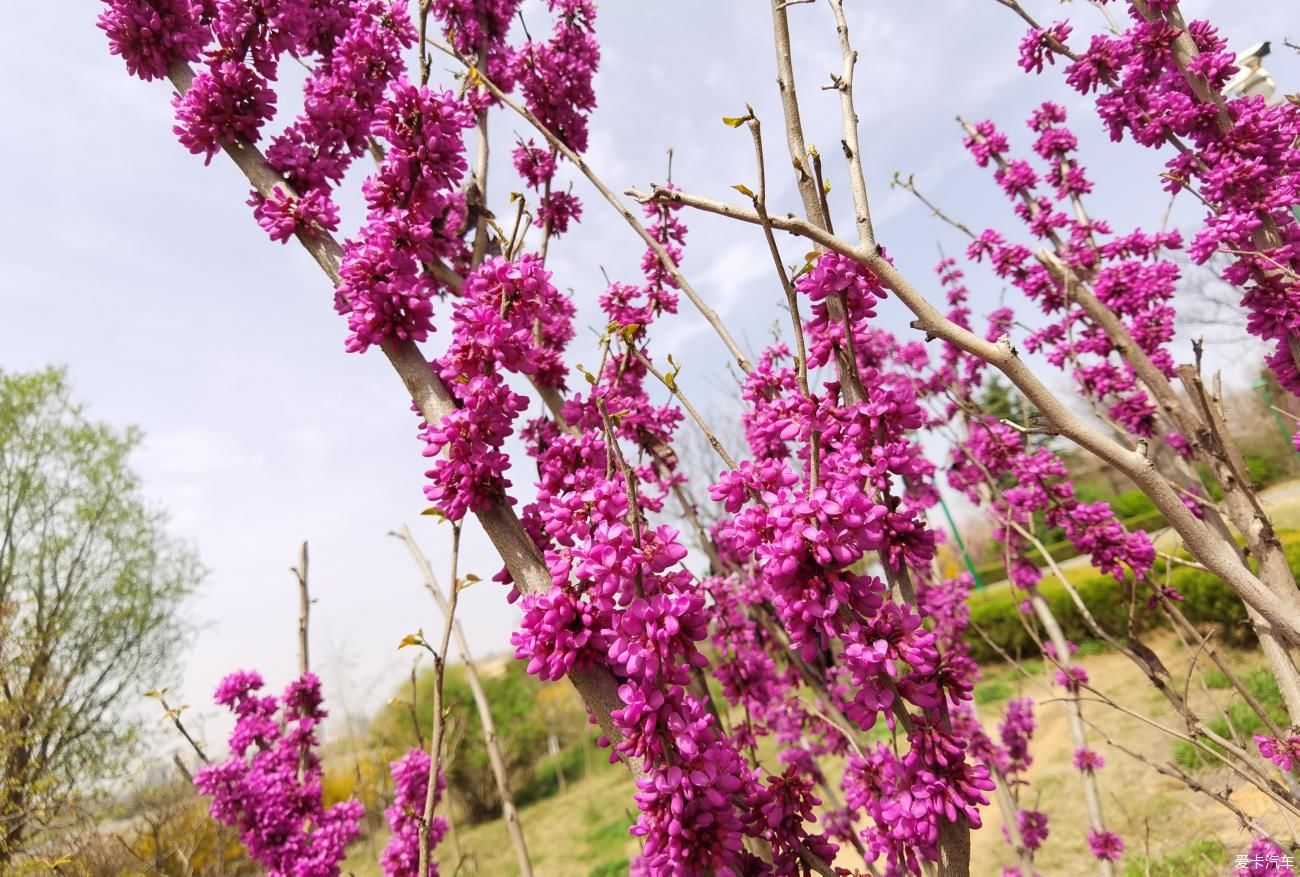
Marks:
<point>1204,858</point>
<point>606,842</point>
<point>999,683</point>
<point>580,831</point>
<point>993,691</point>
<point>1241,722</point>
<point>1216,678</point>
<point>1166,827</point>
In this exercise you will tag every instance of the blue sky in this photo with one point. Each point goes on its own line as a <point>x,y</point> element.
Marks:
<point>126,259</point>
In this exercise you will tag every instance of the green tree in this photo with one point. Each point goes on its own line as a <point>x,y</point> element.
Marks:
<point>1000,400</point>
<point>90,588</point>
<point>521,728</point>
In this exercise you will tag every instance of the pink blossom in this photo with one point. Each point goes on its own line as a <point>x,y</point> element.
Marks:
<point>151,36</point>
<point>1105,845</point>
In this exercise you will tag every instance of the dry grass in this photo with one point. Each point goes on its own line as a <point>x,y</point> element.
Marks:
<point>579,832</point>
<point>1158,817</point>
<point>583,831</point>
<point>1282,501</point>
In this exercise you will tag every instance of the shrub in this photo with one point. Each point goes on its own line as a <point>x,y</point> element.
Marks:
<point>1206,601</point>
<point>1139,514</point>
<point>521,731</point>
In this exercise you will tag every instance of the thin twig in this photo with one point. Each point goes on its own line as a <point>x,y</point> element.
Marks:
<point>710,315</point>
<point>509,813</point>
<point>439,725</point>
<point>304,610</point>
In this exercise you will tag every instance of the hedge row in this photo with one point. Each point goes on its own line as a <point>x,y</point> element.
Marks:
<point>1207,600</point>
<point>1148,521</point>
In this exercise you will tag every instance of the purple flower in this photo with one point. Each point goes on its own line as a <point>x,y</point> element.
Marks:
<point>1088,760</point>
<point>401,856</point>
<point>1284,753</point>
<point>1265,859</point>
<point>151,35</point>
<point>1105,845</point>
<point>1033,828</point>
<point>269,789</point>
<point>226,103</point>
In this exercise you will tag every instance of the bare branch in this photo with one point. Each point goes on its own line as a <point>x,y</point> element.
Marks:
<point>509,812</point>
<point>439,724</point>
<point>304,610</point>
<point>849,116</point>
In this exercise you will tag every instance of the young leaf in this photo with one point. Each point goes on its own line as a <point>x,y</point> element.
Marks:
<point>412,639</point>
<point>743,189</point>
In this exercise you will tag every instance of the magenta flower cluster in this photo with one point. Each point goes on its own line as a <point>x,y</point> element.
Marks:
<point>1124,272</point>
<point>1265,859</point>
<point>1284,753</point>
<point>1240,156</point>
<point>620,599</point>
<point>415,217</point>
<point>509,319</point>
<point>355,51</point>
<point>556,80</point>
<point>1105,845</point>
<point>401,856</point>
<point>1037,480</point>
<point>479,29</point>
<point>807,523</point>
<point>269,788</point>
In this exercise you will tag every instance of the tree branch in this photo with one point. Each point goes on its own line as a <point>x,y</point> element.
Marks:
<point>1216,555</point>
<point>596,685</point>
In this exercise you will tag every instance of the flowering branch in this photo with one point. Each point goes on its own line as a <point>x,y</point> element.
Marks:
<point>668,263</point>
<point>1216,556</point>
<point>598,689</point>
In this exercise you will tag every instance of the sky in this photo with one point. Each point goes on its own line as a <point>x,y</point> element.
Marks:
<point>125,259</point>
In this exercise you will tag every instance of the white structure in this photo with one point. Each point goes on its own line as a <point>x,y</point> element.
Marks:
<point>1251,78</point>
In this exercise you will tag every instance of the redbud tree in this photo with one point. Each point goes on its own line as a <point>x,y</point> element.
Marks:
<point>822,612</point>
